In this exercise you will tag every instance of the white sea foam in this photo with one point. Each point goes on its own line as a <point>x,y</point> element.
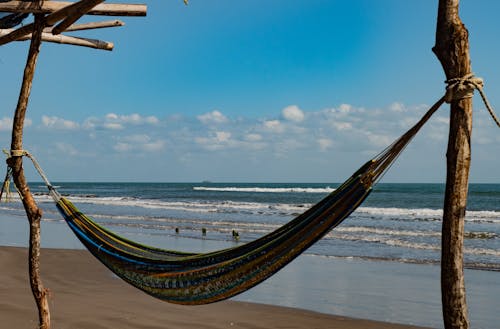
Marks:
<point>411,244</point>
<point>266,189</point>
<point>429,214</point>
<point>386,231</point>
<point>281,209</point>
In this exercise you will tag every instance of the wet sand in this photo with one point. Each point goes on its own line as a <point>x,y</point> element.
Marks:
<point>84,294</point>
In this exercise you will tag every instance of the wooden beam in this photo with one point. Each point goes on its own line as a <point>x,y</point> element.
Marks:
<point>83,8</point>
<point>48,7</point>
<point>452,50</point>
<point>91,26</point>
<point>68,40</point>
<point>78,41</point>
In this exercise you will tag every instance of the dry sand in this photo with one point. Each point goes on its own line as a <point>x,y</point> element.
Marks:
<point>84,294</point>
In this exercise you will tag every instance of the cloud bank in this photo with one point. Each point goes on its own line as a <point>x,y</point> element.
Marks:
<point>342,137</point>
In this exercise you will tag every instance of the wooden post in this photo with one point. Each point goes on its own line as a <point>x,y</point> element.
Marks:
<point>452,50</point>
<point>33,213</point>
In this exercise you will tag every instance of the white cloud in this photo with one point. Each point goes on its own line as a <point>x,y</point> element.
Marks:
<point>57,123</point>
<point>397,107</point>
<point>324,143</point>
<point>5,124</point>
<point>138,143</point>
<point>113,120</point>
<point>90,123</point>
<point>293,113</point>
<point>253,137</point>
<point>122,147</point>
<point>218,140</point>
<point>133,118</point>
<point>274,126</point>
<point>222,136</point>
<point>139,139</point>
<point>342,125</point>
<point>154,146</point>
<point>214,117</point>
<point>113,126</point>
<point>66,148</point>
<point>152,120</point>
<point>345,108</point>
<point>442,120</point>
<point>378,140</point>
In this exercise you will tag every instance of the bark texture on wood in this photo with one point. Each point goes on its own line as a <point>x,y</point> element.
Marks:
<point>84,7</point>
<point>93,25</point>
<point>67,40</point>
<point>33,213</point>
<point>452,50</point>
<point>47,7</point>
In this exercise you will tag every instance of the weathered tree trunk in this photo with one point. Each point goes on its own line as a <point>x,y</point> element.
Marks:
<point>452,50</point>
<point>16,163</point>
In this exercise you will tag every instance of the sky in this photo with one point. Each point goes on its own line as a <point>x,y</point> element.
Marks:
<point>252,91</point>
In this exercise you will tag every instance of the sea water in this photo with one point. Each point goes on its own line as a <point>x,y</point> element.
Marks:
<point>397,224</point>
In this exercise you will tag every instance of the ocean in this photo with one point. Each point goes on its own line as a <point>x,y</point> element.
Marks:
<point>397,224</point>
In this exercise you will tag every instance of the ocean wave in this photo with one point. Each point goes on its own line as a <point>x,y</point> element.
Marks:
<point>429,214</point>
<point>363,233</point>
<point>469,265</point>
<point>275,209</point>
<point>266,189</point>
<point>412,245</point>
<point>387,231</point>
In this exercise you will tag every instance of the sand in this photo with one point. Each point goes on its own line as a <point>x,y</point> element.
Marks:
<point>84,294</point>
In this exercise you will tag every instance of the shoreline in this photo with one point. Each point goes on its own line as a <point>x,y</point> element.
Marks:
<point>84,294</point>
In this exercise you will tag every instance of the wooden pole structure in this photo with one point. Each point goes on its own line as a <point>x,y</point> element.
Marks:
<point>33,213</point>
<point>49,20</point>
<point>38,31</point>
<point>48,7</point>
<point>452,50</point>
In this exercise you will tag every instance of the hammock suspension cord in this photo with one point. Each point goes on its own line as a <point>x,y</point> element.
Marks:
<point>459,88</point>
<point>19,153</point>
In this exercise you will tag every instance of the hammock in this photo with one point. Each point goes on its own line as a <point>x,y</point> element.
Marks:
<point>202,278</point>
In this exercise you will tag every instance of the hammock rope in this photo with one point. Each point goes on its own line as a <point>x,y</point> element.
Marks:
<point>459,88</point>
<point>201,278</point>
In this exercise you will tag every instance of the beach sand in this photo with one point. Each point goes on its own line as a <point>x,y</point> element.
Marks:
<point>84,294</point>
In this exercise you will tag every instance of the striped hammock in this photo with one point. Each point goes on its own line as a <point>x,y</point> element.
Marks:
<point>202,278</point>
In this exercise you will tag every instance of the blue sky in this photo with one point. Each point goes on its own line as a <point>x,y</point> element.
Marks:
<point>252,90</point>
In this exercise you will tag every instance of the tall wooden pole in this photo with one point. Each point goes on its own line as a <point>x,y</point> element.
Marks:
<point>452,50</point>
<point>16,163</point>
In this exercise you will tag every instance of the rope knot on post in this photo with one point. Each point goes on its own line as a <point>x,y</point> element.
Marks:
<point>461,88</point>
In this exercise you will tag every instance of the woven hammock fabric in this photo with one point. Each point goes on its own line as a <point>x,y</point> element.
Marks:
<point>202,278</point>
<point>206,278</point>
